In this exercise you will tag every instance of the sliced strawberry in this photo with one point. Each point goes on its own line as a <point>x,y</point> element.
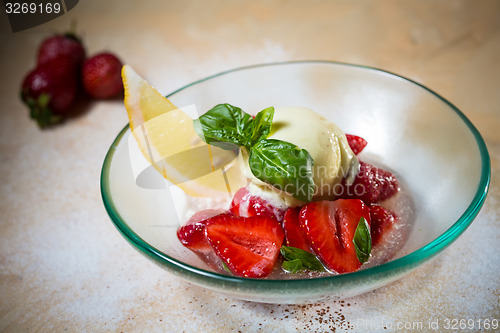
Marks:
<point>371,184</point>
<point>356,143</point>
<point>330,227</point>
<point>239,200</point>
<point>192,236</point>
<point>382,220</point>
<point>246,204</point>
<point>249,246</point>
<point>294,236</point>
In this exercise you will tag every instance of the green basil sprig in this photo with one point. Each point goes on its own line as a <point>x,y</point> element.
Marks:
<point>278,163</point>
<point>362,240</point>
<point>297,260</point>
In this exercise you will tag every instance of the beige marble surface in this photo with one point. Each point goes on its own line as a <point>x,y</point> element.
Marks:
<point>64,266</point>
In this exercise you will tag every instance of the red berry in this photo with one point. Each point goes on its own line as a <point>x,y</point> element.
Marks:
<point>356,143</point>
<point>294,235</point>
<point>382,220</point>
<point>246,204</point>
<point>67,45</point>
<point>371,184</point>
<point>101,76</point>
<point>329,228</point>
<point>50,90</point>
<point>249,246</point>
<point>238,202</point>
<point>192,235</point>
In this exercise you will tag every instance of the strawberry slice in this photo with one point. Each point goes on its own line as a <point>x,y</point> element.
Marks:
<point>239,203</point>
<point>249,246</point>
<point>330,227</point>
<point>382,220</point>
<point>294,236</point>
<point>372,184</point>
<point>192,236</point>
<point>246,204</point>
<point>356,143</point>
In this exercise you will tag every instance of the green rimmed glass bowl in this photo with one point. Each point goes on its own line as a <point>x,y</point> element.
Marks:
<point>433,148</point>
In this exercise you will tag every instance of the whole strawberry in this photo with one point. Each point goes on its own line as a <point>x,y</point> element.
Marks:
<point>50,90</point>
<point>67,45</point>
<point>101,75</point>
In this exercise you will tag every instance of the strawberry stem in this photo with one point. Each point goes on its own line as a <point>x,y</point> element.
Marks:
<point>71,33</point>
<point>40,111</point>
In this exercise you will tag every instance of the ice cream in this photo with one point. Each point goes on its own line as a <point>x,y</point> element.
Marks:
<point>325,142</point>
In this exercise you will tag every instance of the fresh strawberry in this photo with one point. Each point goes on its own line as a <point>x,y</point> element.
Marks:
<point>101,76</point>
<point>356,143</point>
<point>249,246</point>
<point>238,205</point>
<point>371,184</point>
<point>330,227</point>
<point>382,220</point>
<point>50,90</point>
<point>245,204</point>
<point>67,45</point>
<point>192,235</point>
<point>294,235</point>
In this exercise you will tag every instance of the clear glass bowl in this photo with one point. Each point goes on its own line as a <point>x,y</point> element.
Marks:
<point>430,144</point>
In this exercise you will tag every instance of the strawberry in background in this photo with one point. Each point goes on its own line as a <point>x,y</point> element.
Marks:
<point>68,45</point>
<point>62,73</point>
<point>51,88</point>
<point>101,75</point>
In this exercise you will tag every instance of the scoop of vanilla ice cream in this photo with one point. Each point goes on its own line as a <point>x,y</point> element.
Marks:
<point>325,142</point>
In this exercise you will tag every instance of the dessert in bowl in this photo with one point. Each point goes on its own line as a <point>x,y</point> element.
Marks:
<point>408,129</point>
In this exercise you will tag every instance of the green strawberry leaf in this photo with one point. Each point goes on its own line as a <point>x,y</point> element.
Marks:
<point>362,240</point>
<point>40,110</point>
<point>297,259</point>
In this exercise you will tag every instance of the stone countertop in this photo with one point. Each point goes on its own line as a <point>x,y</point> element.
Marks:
<point>64,266</point>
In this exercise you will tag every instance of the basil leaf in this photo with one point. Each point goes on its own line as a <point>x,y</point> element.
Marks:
<point>278,163</point>
<point>284,166</point>
<point>307,260</point>
<point>292,266</point>
<point>260,127</point>
<point>224,123</point>
<point>362,240</point>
